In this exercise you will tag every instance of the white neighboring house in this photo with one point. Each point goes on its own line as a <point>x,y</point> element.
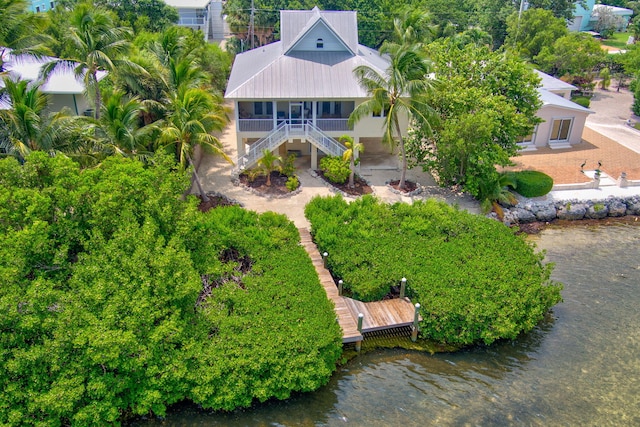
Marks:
<point>296,95</point>
<point>62,86</point>
<point>205,15</point>
<point>563,119</point>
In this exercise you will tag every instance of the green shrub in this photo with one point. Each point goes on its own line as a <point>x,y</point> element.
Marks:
<point>582,101</point>
<point>335,169</point>
<point>532,183</point>
<point>292,183</point>
<point>288,166</point>
<point>475,279</point>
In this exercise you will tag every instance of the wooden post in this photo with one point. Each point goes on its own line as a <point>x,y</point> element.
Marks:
<point>359,343</point>
<point>414,328</point>
<point>324,259</point>
<point>340,283</point>
<point>403,286</point>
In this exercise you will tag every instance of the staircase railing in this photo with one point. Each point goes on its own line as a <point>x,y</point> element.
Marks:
<point>323,141</point>
<point>269,142</point>
<point>284,131</point>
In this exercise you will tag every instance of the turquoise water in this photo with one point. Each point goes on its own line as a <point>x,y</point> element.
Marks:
<point>581,366</point>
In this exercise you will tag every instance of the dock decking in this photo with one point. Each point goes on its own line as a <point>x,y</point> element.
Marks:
<point>378,315</point>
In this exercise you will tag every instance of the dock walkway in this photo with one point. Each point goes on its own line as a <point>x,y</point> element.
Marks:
<point>377,315</point>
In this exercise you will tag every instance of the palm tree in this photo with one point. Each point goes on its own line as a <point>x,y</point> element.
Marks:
<point>119,127</point>
<point>194,115</point>
<point>97,44</point>
<point>400,91</point>
<point>28,124</point>
<point>269,162</point>
<point>494,190</point>
<point>20,30</point>
<point>350,155</point>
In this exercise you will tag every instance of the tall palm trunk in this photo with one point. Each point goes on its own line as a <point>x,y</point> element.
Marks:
<point>403,174</point>
<point>196,178</point>
<point>352,166</point>
<point>98,95</point>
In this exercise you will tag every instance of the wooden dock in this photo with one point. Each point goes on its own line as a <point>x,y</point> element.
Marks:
<point>377,315</point>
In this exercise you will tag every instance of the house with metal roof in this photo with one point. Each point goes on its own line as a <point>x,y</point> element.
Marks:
<point>64,88</point>
<point>296,94</point>
<point>205,15</point>
<point>563,119</point>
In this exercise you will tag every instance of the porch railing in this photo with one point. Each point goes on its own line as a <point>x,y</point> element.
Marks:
<point>255,125</point>
<point>266,125</point>
<point>333,125</point>
<point>191,21</point>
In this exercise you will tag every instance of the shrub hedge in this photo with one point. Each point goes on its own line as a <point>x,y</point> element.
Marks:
<point>475,279</point>
<point>118,298</point>
<point>532,183</point>
<point>582,101</point>
<point>335,169</point>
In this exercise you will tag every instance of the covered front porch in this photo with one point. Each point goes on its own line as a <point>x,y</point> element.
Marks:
<point>265,116</point>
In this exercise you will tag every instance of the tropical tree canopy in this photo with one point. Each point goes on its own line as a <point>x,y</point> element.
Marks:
<point>94,44</point>
<point>28,123</point>
<point>400,92</point>
<point>486,102</point>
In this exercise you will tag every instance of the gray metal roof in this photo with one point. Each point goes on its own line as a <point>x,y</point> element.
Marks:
<point>551,83</point>
<point>300,75</point>
<point>294,23</point>
<point>267,73</point>
<point>552,100</point>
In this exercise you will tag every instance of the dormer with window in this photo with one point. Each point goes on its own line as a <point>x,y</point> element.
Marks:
<point>307,31</point>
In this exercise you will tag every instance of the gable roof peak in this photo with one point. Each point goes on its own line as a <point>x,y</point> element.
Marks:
<point>294,24</point>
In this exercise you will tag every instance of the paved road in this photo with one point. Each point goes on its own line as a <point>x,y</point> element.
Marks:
<point>612,110</point>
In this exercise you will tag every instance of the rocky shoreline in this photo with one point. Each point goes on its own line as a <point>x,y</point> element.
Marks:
<point>529,211</point>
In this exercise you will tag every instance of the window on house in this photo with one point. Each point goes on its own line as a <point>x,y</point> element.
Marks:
<point>326,108</point>
<point>269,108</point>
<point>37,8</point>
<point>560,130</point>
<point>257,108</point>
<point>380,113</point>
<point>51,4</point>
<point>337,109</point>
<point>529,138</point>
<point>319,44</point>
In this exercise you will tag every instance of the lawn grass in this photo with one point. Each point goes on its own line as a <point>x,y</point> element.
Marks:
<point>617,40</point>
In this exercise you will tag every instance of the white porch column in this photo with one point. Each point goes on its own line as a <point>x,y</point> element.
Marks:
<point>239,142</point>
<point>314,157</point>
<point>314,112</point>
<point>274,110</point>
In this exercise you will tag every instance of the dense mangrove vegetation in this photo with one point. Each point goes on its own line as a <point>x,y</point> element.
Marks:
<point>475,279</point>
<point>118,298</point>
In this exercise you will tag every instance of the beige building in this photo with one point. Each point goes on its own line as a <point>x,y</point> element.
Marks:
<point>296,95</point>
<point>563,120</point>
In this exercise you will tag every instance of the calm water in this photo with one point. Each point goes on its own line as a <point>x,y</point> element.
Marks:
<point>580,367</point>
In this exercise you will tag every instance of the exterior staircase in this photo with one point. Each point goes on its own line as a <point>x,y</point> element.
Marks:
<point>284,132</point>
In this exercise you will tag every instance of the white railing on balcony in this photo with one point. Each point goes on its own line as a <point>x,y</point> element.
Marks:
<point>333,125</point>
<point>255,125</point>
<point>191,21</point>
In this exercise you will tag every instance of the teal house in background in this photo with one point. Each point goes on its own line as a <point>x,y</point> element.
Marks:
<point>42,5</point>
<point>585,18</point>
